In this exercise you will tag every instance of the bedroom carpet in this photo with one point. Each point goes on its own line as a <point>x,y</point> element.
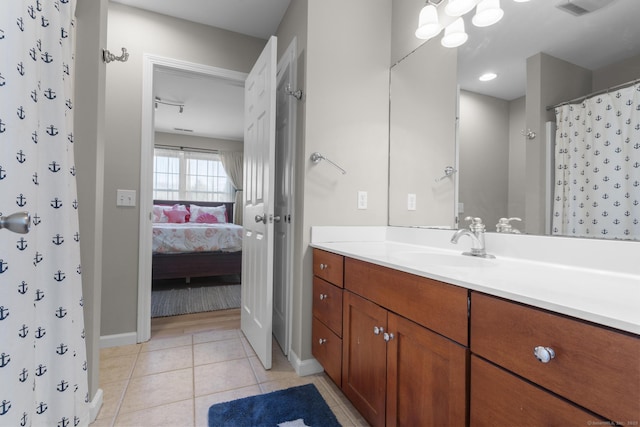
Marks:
<point>172,298</point>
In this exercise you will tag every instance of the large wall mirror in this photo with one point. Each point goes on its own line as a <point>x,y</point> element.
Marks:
<point>500,147</point>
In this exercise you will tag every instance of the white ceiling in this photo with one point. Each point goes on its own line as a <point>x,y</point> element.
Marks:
<point>591,41</point>
<point>213,108</point>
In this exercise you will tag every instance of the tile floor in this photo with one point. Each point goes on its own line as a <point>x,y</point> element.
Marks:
<point>172,379</point>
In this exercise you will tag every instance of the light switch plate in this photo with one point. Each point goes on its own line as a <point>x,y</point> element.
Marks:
<point>125,197</point>
<point>362,200</point>
<point>411,202</point>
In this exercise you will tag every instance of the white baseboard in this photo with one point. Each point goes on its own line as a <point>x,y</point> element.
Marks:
<point>304,367</point>
<point>95,405</point>
<point>115,340</point>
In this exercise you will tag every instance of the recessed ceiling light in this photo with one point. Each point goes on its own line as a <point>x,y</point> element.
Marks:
<point>487,77</point>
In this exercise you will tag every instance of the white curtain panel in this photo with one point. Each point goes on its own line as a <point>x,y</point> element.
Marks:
<point>597,175</point>
<point>43,367</point>
<point>233,165</point>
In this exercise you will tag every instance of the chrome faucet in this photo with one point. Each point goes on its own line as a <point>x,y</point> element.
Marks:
<point>476,233</point>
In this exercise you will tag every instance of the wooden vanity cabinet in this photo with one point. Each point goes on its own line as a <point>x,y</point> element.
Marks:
<point>395,371</point>
<point>594,367</point>
<point>326,329</point>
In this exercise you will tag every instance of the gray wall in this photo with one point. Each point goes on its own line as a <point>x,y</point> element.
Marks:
<point>517,162</point>
<point>89,153</point>
<point>143,32</point>
<point>346,118</point>
<point>484,157</point>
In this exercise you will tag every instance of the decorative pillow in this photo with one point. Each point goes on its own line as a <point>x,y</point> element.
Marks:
<point>158,213</point>
<point>177,214</point>
<point>208,214</point>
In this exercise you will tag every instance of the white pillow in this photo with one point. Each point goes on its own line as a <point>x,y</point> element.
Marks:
<point>208,214</point>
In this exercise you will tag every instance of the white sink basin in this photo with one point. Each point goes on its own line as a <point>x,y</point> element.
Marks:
<point>440,259</point>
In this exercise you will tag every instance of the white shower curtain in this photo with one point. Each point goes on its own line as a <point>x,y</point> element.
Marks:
<point>43,367</point>
<point>597,181</point>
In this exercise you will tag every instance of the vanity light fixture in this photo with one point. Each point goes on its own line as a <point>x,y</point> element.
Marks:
<point>488,12</point>
<point>428,24</point>
<point>454,34</point>
<point>487,77</point>
<point>459,7</point>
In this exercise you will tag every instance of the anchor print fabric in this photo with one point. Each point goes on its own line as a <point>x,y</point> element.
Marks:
<point>597,175</point>
<point>43,367</point>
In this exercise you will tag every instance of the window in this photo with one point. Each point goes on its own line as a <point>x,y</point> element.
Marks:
<point>190,175</point>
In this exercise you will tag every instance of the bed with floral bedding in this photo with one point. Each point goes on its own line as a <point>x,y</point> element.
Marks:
<point>195,239</point>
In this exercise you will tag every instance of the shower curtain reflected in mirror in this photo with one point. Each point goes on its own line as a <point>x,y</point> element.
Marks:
<point>43,367</point>
<point>597,174</point>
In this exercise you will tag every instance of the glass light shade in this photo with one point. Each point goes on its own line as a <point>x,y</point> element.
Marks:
<point>488,12</point>
<point>459,7</point>
<point>454,34</point>
<point>428,25</point>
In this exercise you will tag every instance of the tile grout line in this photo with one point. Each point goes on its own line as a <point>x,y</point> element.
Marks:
<point>126,387</point>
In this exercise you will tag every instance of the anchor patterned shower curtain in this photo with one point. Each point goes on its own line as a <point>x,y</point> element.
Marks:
<point>597,181</point>
<point>43,378</point>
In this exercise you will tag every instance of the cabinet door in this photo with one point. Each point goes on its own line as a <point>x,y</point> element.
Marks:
<point>364,357</point>
<point>426,377</point>
<point>499,398</point>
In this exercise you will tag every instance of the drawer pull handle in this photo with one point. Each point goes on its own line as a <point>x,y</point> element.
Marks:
<point>323,266</point>
<point>388,337</point>
<point>544,354</point>
<point>322,341</point>
<point>377,330</point>
<point>323,296</point>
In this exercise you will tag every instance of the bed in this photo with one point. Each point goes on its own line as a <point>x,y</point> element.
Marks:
<point>198,247</point>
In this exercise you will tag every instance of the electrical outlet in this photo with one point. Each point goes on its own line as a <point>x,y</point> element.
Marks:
<point>125,197</point>
<point>411,202</point>
<point>362,200</point>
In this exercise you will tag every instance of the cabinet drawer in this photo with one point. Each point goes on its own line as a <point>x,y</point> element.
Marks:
<point>499,398</point>
<point>594,367</point>
<point>436,305</point>
<point>327,349</point>
<point>329,267</point>
<point>327,304</point>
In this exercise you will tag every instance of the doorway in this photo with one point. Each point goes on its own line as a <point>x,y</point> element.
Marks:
<point>284,174</point>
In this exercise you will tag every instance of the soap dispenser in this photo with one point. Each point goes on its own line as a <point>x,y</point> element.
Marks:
<point>504,225</point>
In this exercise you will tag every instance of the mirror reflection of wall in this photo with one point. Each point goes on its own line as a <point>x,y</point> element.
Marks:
<point>492,158</point>
<point>543,56</point>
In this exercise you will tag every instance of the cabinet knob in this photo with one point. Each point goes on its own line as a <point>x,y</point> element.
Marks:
<point>322,341</point>
<point>323,296</point>
<point>388,337</point>
<point>377,330</point>
<point>544,354</point>
<point>323,266</point>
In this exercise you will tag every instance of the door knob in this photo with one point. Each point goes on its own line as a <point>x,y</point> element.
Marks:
<point>260,218</point>
<point>18,222</point>
<point>276,218</point>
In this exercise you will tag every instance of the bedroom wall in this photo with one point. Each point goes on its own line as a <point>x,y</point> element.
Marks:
<point>144,32</point>
<point>177,140</point>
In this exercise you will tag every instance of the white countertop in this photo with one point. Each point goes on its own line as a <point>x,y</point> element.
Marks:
<point>601,296</point>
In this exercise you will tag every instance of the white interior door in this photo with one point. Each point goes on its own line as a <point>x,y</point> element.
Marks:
<point>257,243</point>
<point>284,191</point>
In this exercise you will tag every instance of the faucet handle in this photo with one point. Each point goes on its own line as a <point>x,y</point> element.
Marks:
<point>476,224</point>
<point>504,225</point>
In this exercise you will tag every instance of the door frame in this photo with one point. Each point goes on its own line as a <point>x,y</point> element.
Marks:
<point>147,137</point>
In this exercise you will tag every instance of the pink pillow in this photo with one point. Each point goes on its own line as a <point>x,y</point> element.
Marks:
<point>158,213</point>
<point>178,214</point>
<point>208,214</point>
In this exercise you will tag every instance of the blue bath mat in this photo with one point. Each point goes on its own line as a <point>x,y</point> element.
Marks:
<point>293,407</point>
